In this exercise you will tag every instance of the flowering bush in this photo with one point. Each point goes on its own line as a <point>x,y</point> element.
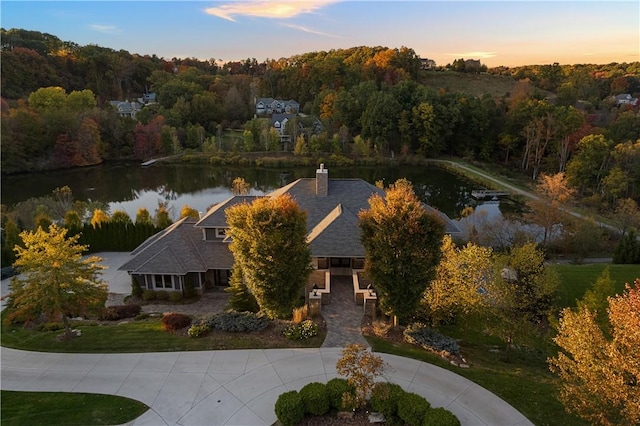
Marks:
<point>199,329</point>
<point>304,330</point>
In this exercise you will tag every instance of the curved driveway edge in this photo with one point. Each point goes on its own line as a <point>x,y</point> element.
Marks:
<point>234,387</point>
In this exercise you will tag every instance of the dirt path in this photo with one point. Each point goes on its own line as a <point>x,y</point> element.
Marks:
<point>517,190</point>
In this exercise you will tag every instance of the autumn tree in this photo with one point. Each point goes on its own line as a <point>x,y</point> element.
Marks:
<point>547,209</point>
<point>162,216</point>
<point>269,243</point>
<point>600,376</point>
<point>188,211</point>
<point>239,186</point>
<point>520,295</point>
<point>55,280</point>
<point>361,367</point>
<point>143,216</point>
<point>461,282</point>
<point>402,242</point>
<point>120,216</point>
<point>99,217</point>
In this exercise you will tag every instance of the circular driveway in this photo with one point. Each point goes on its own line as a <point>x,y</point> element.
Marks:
<point>236,387</point>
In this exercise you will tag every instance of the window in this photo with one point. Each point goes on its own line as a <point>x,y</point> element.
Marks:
<point>340,262</point>
<point>162,281</point>
<point>221,232</point>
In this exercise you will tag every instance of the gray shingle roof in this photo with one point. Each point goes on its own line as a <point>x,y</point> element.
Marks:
<point>332,229</point>
<point>179,249</point>
<point>215,217</point>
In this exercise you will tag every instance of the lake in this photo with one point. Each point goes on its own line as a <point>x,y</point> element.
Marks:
<point>128,186</point>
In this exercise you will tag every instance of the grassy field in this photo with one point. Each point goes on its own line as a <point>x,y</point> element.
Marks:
<point>577,279</point>
<point>66,409</point>
<point>475,84</point>
<point>145,336</point>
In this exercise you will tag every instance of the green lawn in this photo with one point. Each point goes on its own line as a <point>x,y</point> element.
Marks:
<point>577,279</point>
<point>145,336</point>
<point>525,381</point>
<point>66,409</point>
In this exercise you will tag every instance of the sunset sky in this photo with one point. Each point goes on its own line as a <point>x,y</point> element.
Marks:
<point>498,33</point>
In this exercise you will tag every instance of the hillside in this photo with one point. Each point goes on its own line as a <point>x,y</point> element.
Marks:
<point>497,86</point>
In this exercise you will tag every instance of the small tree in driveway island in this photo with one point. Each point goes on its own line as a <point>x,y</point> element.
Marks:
<point>269,243</point>
<point>402,241</point>
<point>361,367</point>
<point>55,280</point>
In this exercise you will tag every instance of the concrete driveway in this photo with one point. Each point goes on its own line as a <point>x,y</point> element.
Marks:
<point>236,387</point>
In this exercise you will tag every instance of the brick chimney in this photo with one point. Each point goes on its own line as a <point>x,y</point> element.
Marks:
<point>322,181</point>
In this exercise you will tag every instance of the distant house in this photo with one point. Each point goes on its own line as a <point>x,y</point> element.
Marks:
<point>427,64</point>
<point>626,99</point>
<point>198,251</point>
<point>279,121</point>
<point>147,98</point>
<point>126,108</point>
<point>268,106</point>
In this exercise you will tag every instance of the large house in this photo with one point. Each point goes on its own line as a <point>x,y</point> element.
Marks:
<point>268,106</point>
<point>197,251</point>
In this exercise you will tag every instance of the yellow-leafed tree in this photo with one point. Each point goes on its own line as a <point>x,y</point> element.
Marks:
<point>600,376</point>
<point>54,281</point>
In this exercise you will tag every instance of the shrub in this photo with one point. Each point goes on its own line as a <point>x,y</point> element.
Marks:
<point>118,312</point>
<point>301,331</point>
<point>315,399</point>
<point>440,417</point>
<point>142,316</point>
<point>336,388</point>
<point>175,296</point>
<point>50,326</point>
<point>175,321</point>
<point>300,314</point>
<point>136,289</point>
<point>384,399</point>
<point>162,295</point>
<point>148,294</point>
<point>289,408</point>
<point>420,334</point>
<point>238,321</point>
<point>189,287</point>
<point>412,408</point>
<point>199,329</point>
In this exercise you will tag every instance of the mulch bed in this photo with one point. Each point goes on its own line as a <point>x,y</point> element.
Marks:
<point>360,418</point>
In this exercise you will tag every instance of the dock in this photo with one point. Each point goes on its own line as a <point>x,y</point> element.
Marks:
<point>148,163</point>
<point>481,194</point>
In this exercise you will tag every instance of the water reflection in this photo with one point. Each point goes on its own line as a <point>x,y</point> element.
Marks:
<point>129,187</point>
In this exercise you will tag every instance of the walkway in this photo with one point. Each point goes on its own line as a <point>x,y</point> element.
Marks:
<point>342,315</point>
<point>237,387</point>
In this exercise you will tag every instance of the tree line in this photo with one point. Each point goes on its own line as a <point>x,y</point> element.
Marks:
<point>362,101</point>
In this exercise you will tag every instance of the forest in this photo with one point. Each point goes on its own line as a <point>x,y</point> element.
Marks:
<point>57,110</point>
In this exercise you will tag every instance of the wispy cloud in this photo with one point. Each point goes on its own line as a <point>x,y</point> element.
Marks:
<point>474,55</point>
<point>281,9</point>
<point>106,29</point>
<point>309,30</point>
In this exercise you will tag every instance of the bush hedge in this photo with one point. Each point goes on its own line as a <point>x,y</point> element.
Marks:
<point>118,312</point>
<point>336,388</point>
<point>315,399</point>
<point>440,417</point>
<point>420,334</point>
<point>148,294</point>
<point>238,321</point>
<point>384,399</point>
<point>162,295</point>
<point>412,408</point>
<point>175,321</point>
<point>305,330</point>
<point>289,409</point>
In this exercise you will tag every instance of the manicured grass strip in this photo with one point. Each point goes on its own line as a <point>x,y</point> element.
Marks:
<point>524,382</point>
<point>143,336</point>
<point>577,279</point>
<point>60,408</point>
